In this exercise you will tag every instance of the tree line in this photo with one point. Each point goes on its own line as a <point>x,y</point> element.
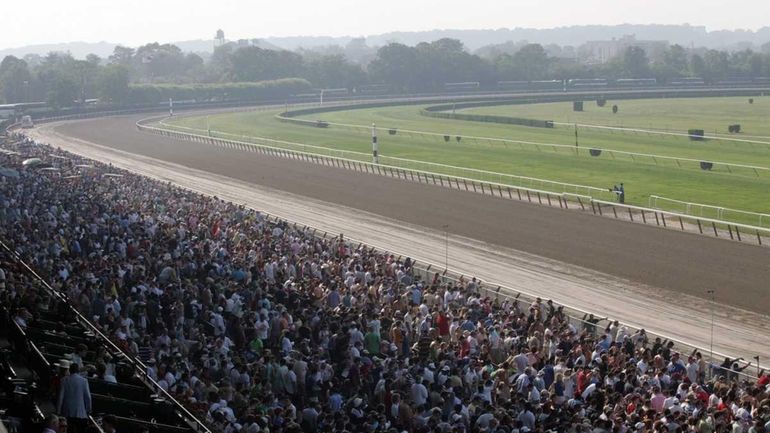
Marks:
<point>155,71</point>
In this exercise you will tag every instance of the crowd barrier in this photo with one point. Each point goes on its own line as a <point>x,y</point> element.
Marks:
<point>708,211</point>
<point>564,200</point>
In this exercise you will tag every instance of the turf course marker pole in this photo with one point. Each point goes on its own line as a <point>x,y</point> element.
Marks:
<point>576,137</point>
<point>170,107</point>
<point>375,146</point>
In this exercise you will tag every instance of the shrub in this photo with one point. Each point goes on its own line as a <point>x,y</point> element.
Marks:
<point>734,129</point>
<point>436,113</point>
<point>322,124</point>
<point>595,152</point>
<point>392,131</point>
<point>705,165</point>
<point>261,90</point>
<point>447,138</point>
<point>601,102</point>
<point>458,138</point>
<point>751,100</point>
<point>614,109</point>
<point>696,134</point>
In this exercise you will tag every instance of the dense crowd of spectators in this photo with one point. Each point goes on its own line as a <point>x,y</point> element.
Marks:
<point>259,326</point>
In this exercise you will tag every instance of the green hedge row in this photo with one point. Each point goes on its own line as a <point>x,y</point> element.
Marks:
<point>489,118</point>
<point>261,90</point>
<point>485,101</point>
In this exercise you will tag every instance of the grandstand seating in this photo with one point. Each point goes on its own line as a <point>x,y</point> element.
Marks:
<point>29,359</point>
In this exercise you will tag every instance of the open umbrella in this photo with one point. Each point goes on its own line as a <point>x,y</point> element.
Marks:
<point>32,162</point>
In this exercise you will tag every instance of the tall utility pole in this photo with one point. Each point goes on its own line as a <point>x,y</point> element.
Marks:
<point>576,136</point>
<point>170,107</point>
<point>711,348</point>
<point>446,246</point>
<point>375,146</point>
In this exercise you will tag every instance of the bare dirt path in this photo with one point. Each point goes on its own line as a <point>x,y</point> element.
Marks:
<point>639,274</point>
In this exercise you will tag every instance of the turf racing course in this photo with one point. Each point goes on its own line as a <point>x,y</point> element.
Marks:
<point>628,271</point>
<point>650,163</point>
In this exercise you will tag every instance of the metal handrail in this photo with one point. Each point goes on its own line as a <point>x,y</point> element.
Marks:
<point>681,215</point>
<point>720,209</point>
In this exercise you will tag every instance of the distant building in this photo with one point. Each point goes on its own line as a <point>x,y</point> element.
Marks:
<point>599,52</point>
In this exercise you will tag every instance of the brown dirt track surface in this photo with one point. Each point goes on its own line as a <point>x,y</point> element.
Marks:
<point>680,262</point>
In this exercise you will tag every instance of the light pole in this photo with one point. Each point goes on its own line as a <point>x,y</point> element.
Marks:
<point>375,146</point>
<point>711,345</point>
<point>758,369</point>
<point>446,246</point>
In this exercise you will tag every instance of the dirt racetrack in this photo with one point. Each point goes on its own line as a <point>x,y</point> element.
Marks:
<point>680,262</point>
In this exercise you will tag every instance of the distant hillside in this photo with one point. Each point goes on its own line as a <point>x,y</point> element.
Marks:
<point>78,49</point>
<point>685,34</point>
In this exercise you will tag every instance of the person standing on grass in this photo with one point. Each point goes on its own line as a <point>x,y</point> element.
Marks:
<point>621,193</point>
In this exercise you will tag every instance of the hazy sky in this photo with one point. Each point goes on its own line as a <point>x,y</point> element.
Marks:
<point>135,22</point>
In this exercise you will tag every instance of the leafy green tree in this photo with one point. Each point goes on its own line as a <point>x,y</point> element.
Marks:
<point>220,66</point>
<point>63,90</point>
<point>160,63</point>
<point>257,64</point>
<point>532,62</point>
<point>717,65</point>
<point>122,56</point>
<point>333,71</point>
<point>396,65</point>
<point>634,63</point>
<point>15,80</point>
<point>112,84</point>
<point>58,81</point>
<point>697,66</point>
<point>94,59</point>
<point>675,58</point>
